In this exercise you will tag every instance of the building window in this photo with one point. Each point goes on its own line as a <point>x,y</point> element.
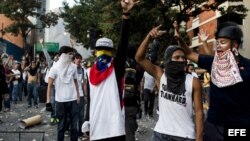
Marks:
<point>196,31</point>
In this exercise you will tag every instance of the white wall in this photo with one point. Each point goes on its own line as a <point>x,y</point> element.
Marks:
<point>245,51</point>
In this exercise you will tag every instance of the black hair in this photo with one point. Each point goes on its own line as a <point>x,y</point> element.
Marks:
<point>66,49</point>
<point>189,65</point>
<point>77,55</point>
<point>169,52</point>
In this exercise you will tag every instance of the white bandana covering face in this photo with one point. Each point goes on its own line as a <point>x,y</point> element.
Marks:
<point>225,71</point>
<point>62,65</point>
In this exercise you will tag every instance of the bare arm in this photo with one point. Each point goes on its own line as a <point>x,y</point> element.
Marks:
<point>27,68</point>
<point>140,56</point>
<point>197,96</point>
<point>50,84</point>
<point>189,52</point>
<point>6,63</point>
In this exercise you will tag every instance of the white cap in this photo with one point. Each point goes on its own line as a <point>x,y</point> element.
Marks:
<point>104,42</point>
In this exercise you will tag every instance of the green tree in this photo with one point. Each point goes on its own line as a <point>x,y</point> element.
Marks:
<point>19,11</point>
<point>105,15</point>
<point>82,20</point>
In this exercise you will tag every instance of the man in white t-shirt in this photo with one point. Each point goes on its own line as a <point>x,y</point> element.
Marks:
<point>148,92</point>
<point>64,74</point>
<point>191,70</point>
<point>81,79</point>
<point>15,82</point>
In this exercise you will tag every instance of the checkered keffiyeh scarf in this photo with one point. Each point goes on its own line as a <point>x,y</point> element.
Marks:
<point>225,71</point>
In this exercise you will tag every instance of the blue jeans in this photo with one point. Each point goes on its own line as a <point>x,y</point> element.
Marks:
<point>65,110</point>
<point>7,98</point>
<point>20,91</point>
<point>32,92</point>
<point>6,101</point>
<point>15,91</point>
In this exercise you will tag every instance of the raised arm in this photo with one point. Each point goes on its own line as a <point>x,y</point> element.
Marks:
<point>191,55</point>
<point>121,53</point>
<point>140,56</point>
<point>204,37</point>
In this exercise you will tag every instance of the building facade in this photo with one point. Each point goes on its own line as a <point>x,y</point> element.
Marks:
<point>13,45</point>
<point>208,21</point>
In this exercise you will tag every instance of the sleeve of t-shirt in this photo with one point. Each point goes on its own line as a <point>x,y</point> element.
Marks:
<point>205,62</point>
<point>53,73</point>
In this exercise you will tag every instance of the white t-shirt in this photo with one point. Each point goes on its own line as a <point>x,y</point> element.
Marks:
<point>80,79</point>
<point>195,74</point>
<point>64,91</point>
<point>17,76</point>
<point>176,111</point>
<point>149,81</point>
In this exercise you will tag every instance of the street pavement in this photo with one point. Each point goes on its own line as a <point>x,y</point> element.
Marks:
<point>10,123</point>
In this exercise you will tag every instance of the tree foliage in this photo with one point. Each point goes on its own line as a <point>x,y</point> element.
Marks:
<point>92,15</point>
<point>19,11</point>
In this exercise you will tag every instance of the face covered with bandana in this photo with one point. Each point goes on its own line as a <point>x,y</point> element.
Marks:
<point>225,71</point>
<point>103,59</point>
<point>175,70</point>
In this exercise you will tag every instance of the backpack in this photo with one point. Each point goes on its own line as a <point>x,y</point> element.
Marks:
<point>130,79</point>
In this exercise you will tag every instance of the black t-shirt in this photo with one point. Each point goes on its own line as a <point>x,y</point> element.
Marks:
<point>229,105</point>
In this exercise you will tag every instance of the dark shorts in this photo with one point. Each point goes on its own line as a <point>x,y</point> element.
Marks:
<point>164,137</point>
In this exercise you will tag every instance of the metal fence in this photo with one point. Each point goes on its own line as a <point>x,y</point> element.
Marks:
<point>22,135</point>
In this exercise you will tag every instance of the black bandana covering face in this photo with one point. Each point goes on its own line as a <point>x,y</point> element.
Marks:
<point>175,72</point>
<point>175,77</point>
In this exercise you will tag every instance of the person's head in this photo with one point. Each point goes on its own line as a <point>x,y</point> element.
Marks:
<point>16,65</point>
<point>103,51</point>
<point>67,50</point>
<point>174,54</point>
<point>77,58</point>
<point>66,53</point>
<point>175,69</point>
<point>228,36</point>
<point>33,64</point>
<point>175,59</point>
<point>104,46</point>
<point>190,68</point>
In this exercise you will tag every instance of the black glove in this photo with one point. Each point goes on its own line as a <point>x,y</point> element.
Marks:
<point>49,107</point>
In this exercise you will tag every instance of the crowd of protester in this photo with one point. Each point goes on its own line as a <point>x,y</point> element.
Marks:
<point>102,101</point>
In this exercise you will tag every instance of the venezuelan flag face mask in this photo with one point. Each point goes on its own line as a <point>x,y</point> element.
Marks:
<point>104,58</point>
